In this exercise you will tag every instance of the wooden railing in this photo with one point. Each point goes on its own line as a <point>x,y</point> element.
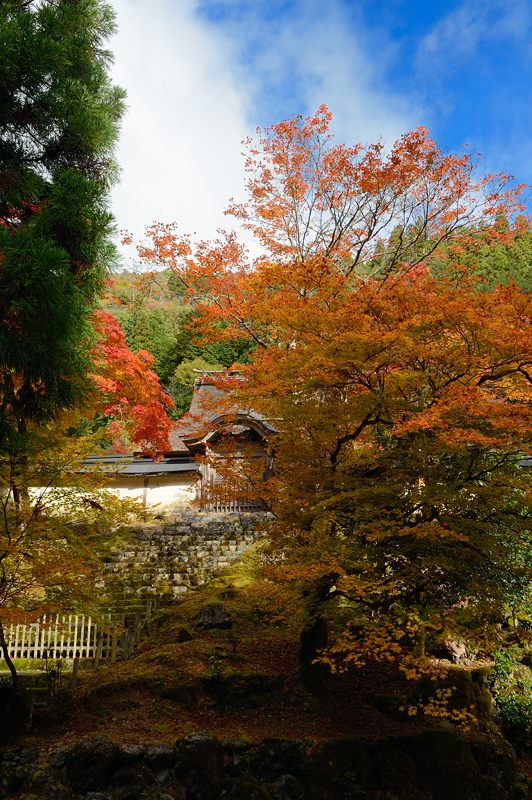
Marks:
<point>77,636</point>
<point>222,506</point>
<point>69,636</point>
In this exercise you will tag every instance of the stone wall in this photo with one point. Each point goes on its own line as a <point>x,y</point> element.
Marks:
<point>168,558</point>
<point>426,765</point>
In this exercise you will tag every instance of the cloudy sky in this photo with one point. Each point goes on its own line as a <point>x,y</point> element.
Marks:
<point>202,74</point>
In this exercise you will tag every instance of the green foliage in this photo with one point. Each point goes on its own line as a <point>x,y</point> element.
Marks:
<point>515,711</point>
<point>506,660</point>
<point>59,120</point>
<point>506,263</point>
<point>152,312</point>
<point>182,383</point>
<point>226,353</point>
<point>156,331</point>
<point>505,260</point>
<point>513,692</point>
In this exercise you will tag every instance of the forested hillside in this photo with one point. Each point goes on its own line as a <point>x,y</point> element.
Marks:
<point>156,315</point>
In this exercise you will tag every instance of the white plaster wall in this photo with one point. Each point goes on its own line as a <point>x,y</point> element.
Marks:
<point>163,491</point>
<point>133,491</point>
<point>166,492</point>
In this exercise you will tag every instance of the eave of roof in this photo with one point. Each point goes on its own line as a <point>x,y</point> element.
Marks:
<point>115,464</point>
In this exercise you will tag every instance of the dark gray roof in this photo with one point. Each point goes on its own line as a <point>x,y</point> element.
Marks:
<point>129,465</point>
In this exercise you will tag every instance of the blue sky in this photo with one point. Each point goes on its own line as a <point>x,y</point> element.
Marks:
<point>203,74</point>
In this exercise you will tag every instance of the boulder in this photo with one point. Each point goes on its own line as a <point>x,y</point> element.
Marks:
<point>450,648</point>
<point>247,788</point>
<point>51,789</point>
<point>338,770</point>
<point>160,757</point>
<point>214,615</point>
<point>273,758</point>
<point>137,774</point>
<point>89,763</point>
<point>393,771</point>
<point>444,763</point>
<point>200,767</point>
<point>12,776</point>
<point>128,753</point>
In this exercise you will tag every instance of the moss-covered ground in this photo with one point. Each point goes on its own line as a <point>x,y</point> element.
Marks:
<point>242,682</point>
<point>238,682</point>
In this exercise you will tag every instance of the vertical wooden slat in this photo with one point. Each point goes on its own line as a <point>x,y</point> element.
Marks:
<point>42,647</point>
<point>62,636</point>
<point>88,638</point>
<point>95,642</point>
<point>49,639</point>
<point>36,639</point>
<point>56,634</point>
<point>24,632</point>
<point>79,650</point>
<point>33,638</point>
<point>75,644</point>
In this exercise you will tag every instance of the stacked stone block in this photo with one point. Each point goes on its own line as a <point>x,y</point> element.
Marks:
<point>169,558</point>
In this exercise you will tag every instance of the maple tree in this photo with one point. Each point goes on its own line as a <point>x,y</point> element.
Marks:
<point>134,405</point>
<point>331,217</point>
<point>399,388</point>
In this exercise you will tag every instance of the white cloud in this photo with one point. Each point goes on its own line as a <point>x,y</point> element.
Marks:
<point>470,26</point>
<point>196,89</point>
<point>338,66</point>
<point>179,148</point>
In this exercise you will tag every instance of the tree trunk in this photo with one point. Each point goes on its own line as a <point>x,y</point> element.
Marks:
<point>7,657</point>
<point>422,641</point>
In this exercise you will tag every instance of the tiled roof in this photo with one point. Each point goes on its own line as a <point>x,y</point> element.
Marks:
<point>210,406</point>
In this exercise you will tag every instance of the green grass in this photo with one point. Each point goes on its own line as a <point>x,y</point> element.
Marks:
<point>33,665</point>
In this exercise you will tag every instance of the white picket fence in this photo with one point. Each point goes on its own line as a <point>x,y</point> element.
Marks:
<point>74,636</point>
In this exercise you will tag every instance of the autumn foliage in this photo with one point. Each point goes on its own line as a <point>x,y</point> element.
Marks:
<point>399,386</point>
<point>133,401</point>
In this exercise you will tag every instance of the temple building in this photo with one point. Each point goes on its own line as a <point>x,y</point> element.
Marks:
<point>210,439</point>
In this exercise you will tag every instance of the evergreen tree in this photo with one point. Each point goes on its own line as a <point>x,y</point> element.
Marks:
<point>154,330</point>
<point>507,262</point>
<point>59,116</point>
